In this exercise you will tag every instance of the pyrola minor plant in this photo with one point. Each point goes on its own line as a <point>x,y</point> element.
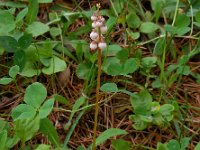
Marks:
<point>99,28</point>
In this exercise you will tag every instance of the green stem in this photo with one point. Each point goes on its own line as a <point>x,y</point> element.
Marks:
<point>176,12</point>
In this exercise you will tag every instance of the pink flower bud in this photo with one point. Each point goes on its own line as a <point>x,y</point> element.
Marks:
<point>94,25</point>
<point>94,35</point>
<point>104,29</point>
<point>93,45</point>
<point>94,17</point>
<point>99,24</point>
<point>101,18</point>
<point>102,45</point>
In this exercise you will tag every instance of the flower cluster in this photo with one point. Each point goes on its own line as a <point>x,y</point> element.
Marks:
<point>99,28</point>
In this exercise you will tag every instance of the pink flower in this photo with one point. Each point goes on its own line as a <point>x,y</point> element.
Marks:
<point>102,45</point>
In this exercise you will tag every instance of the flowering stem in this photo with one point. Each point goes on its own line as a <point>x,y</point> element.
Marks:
<point>97,99</point>
<point>97,93</point>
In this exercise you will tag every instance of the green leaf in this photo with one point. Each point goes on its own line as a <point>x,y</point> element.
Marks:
<point>141,102</point>
<point>130,65</point>
<point>75,108</point>
<point>23,111</point>
<point>45,1</point>
<point>166,110</point>
<point>197,147</point>
<point>5,80</point>
<point>37,28</point>
<point>112,50</point>
<point>173,145</point>
<point>12,4</point>
<point>140,125</point>
<point>114,68</point>
<point>120,144</point>
<point>148,27</point>
<point>25,41</point>
<point>7,23</point>
<point>56,65</point>
<point>43,147</point>
<point>29,70</point>
<point>122,54</point>
<point>184,142</point>
<point>184,70</point>
<point>3,139</point>
<point>161,146</point>
<point>182,21</point>
<point>83,70</point>
<point>48,129</point>
<point>171,29</point>
<point>55,31</point>
<point>13,71</point>
<point>21,14</point>
<point>11,142</point>
<point>108,134</point>
<point>110,23</point>
<point>157,6</point>
<point>149,62</point>
<point>182,30</point>
<point>133,35</point>
<point>4,125</point>
<point>80,101</point>
<point>197,17</point>
<point>158,49</point>
<point>35,94</point>
<point>20,59</point>
<point>25,129</point>
<point>184,59</point>
<point>133,20</point>
<point>61,99</point>
<point>46,108</point>
<point>33,7</point>
<point>109,87</point>
<point>8,43</point>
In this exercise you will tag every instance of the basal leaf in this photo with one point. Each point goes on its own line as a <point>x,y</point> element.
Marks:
<point>108,134</point>
<point>114,69</point>
<point>130,65</point>
<point>109,87</point>
<point>23,111</point>
<point>8,43</point>
<point>25,41</point>
<point>20,59</point>
<point>37,28</point>
<point>197,147</point>
<point>148,27</point>
<point>133,20</point>
<point>46,108</point>
<point>173,145</point>
<point>5,80</point>
<point>43,147</point>
<point>182,21</point>
<point>141,102</point>
<point>35,94</point>
<point>21,14</point>
<point>7,23</point>
<point>120,144</point>
<point>83,70</point>
<point>56,65</point>
<point>3,139</point>
<point>25,129</point>
<point>33,7</point>
<point>48,129</point>
<point>14,70</point>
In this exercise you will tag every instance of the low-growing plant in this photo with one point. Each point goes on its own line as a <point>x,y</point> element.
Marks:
<point>28,116</point>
